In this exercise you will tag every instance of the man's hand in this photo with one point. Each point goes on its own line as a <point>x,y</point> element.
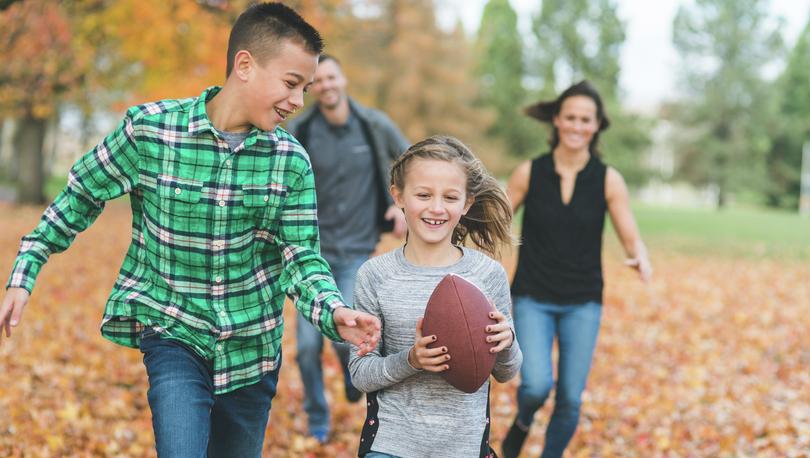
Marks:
<point>395,213</point>
<point>11,309</point>
<point>357,328</point>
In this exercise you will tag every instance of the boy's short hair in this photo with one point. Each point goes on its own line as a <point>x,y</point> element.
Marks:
<point>261,28</point>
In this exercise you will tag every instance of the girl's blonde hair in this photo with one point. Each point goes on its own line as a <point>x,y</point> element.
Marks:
<point>488,222</point>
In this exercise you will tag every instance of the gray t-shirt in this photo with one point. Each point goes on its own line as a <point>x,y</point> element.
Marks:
<point>419,414</point>
<point>343,165</point>
<point>234,139</point>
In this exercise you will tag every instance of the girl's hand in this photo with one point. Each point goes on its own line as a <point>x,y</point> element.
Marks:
<point>500,332</point>
<point>423,358</point>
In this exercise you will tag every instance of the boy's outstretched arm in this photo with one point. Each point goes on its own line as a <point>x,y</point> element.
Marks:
<point>306,277</point>
<point>107,171</point>
<point>11,310</point>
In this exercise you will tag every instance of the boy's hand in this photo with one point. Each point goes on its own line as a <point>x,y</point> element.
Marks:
<point>11,309</point>
<point>500,332</point>
<point>357,328</point>
<point>424,358</point>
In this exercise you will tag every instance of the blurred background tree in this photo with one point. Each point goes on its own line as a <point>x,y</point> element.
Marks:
<point>737,126</point>
<point>725,44</point>
<point>791,128</point>
<point>582,39</point>
<point>500,70</point>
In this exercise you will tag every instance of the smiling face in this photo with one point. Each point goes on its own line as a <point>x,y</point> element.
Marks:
<point>275,89</point>
<point>329,85</point>
<point>577,122</point>
<point>433,199</point>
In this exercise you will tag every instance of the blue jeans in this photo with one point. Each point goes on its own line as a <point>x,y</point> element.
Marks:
<point>373,454</point>
<point>576,328</point>
<point>309,345</point>
<point>189,420</point>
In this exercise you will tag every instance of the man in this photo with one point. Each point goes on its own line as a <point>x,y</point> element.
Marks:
<point>351,148</point>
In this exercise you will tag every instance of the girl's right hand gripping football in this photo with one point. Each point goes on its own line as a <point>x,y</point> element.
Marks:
<point>429,359</point>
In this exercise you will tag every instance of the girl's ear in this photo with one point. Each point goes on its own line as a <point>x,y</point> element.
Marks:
<point>468,204</point>
<point>397,195</point>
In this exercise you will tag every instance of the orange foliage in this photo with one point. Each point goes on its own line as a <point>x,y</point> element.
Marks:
<point>41,64</point>
<point>710,360</point>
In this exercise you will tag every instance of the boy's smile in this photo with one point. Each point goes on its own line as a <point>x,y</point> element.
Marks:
<point>275,89</point>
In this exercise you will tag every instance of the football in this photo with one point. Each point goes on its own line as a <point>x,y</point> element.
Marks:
<point>457,313</point>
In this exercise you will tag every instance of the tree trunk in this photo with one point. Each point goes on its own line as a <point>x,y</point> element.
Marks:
<point>28,142</point>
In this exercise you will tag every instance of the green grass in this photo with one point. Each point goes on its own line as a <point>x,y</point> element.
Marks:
<point>736,231</point>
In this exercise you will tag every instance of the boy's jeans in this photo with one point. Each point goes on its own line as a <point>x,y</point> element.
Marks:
<point>309,347</point>
<point>188,418</point>
<point>576,328</point>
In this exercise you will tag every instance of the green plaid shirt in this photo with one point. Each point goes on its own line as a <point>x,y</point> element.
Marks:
<point>219,237</point>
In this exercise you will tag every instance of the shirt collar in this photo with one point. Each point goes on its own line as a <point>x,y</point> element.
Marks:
<point>199,122</point>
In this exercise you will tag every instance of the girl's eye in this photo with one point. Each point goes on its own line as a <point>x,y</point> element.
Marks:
<point>452,198</point>
<point>423,195</point>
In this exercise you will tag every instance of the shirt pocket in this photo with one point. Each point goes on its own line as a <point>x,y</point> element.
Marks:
<point>178,196</point>
<point>264,203</point>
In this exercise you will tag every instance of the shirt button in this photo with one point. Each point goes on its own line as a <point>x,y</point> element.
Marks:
<point>218,279</point>
<point>221,203</point>
<point>223,314</point>
<point>228,162</point>
<point>266,198</point>
<point>177,190</point>
<point>219,347</point>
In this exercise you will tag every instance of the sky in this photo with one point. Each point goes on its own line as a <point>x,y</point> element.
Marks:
<point>649,60</point>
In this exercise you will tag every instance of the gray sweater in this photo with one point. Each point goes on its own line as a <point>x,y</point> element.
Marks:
<point>418,414</point>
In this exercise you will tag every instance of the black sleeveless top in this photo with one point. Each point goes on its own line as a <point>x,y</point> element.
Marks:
<point>560,258</point>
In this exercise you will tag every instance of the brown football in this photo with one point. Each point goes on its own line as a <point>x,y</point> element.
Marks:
<point>457,313</point>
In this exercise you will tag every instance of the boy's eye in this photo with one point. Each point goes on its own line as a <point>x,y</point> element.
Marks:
<point>290,84</point>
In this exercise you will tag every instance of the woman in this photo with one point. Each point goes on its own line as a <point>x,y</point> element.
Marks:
<point>557,291</point>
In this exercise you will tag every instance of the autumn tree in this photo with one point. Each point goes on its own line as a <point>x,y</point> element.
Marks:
<point>724,45</point>
<point>42,67</point>
<point>422,72</point>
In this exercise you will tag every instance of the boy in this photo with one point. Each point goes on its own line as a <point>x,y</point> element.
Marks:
<point>224,224</point>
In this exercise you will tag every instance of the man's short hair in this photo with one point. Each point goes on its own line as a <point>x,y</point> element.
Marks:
<point>263,27</point>
<point>324,57</point>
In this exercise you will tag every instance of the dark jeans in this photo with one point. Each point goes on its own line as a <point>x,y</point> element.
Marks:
<point>188,418</point>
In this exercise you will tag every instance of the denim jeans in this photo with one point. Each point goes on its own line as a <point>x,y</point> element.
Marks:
<point>576,328</point>
<point>189,420</point>
<point>309,346</point>
<point>373,454</point>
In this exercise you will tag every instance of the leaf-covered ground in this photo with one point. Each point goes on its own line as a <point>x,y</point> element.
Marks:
<point>712,359</point>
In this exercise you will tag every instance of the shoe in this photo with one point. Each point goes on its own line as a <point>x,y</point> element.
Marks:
<point>320,435</point>
<point>352,393</point>
<point>514,439</point>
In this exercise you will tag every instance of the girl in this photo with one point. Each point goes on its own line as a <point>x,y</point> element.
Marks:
<point>558,282</point>
<point>446,196</point>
